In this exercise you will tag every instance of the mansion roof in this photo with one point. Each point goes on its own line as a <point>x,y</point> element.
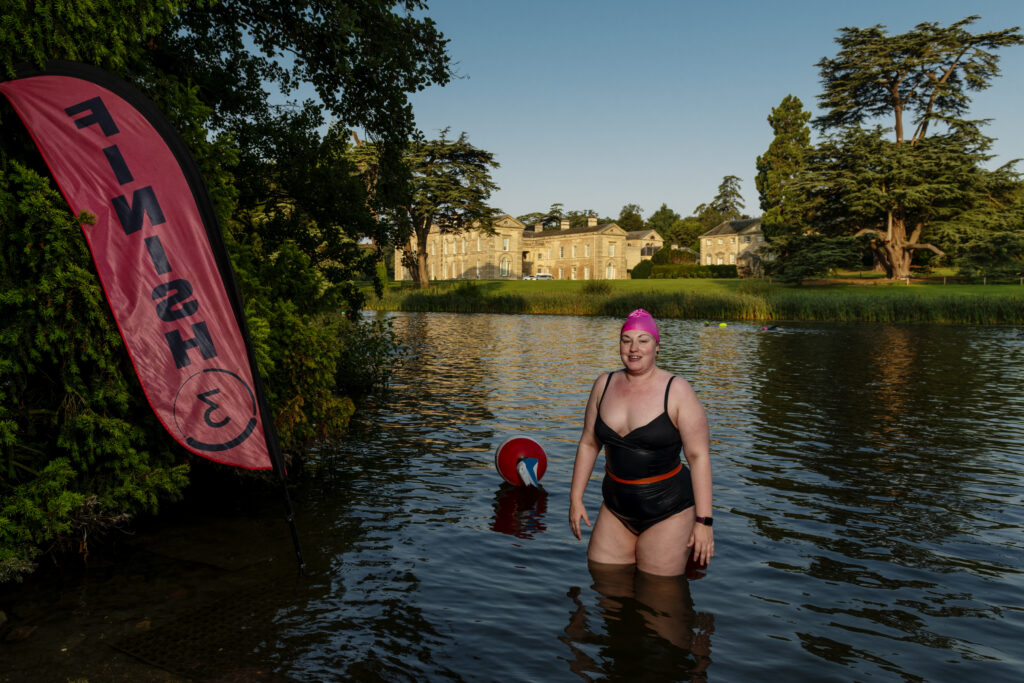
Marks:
<point>579,230</point>
<point>642,234</point>
<point>737,227</point>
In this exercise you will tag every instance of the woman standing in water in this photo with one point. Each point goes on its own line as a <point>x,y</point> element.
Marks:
<point>655,509</point>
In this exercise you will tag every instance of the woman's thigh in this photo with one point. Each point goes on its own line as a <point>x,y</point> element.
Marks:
<point>662,549</point>
<point>610,541</point>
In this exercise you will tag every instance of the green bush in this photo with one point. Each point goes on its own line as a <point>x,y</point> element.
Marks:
<point>999,257</point>
<point>597,287</point>
<point>81,449</point>
<point>668,256</point>
<point>693,271</point>
<point>369,356</point>
<point>642,270</point>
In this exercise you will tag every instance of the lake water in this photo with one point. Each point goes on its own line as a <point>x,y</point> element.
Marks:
<point>868,504</point>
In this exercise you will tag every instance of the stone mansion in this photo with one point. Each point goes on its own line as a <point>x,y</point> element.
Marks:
<point>735,243</point>
<point>513,251</point>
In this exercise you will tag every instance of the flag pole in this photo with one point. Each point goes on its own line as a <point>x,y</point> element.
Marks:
<point>277,460</point>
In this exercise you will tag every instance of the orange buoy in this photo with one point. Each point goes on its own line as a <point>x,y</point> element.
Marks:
<point>521,461</point>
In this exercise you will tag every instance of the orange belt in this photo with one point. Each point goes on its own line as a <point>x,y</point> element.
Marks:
<point>645,480</point>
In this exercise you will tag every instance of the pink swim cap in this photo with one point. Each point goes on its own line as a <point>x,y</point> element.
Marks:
<point>641,320</point>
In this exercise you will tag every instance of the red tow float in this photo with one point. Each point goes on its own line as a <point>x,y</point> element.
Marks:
<point>521,461</point>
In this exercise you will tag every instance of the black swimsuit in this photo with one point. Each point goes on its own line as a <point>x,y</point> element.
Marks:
<point>645,480</point>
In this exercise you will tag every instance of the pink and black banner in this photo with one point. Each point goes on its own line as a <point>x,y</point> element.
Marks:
<point>159,254</point>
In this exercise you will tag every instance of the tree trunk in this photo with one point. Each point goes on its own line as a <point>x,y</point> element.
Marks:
<point>418,268</point>
<point>880,265</point>
<point>898,250</point>
<point>423,279</point>
<point>411,263</point>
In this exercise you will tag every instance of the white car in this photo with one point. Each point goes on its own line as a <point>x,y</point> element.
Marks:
<point>542,276</point>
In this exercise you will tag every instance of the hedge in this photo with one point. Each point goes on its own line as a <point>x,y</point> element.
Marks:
<point>692,271</point>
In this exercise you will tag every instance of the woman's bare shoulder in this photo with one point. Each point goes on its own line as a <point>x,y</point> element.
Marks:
<point>601,380</point>
<point>681,389</point>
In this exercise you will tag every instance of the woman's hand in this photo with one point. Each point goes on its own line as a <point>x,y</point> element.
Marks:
<point>577,511</point>
<point>702,540</point>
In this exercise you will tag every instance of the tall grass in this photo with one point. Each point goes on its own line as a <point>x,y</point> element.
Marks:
<point>753,300</point>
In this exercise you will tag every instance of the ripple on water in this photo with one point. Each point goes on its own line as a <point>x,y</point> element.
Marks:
<point>868,496</point>
<point>868,499</point>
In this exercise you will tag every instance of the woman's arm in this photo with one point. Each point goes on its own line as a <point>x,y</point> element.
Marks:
<point>692,422</point>
<point>586,456</point>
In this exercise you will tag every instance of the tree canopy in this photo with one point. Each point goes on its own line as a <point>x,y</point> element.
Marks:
<point>779,168</point>
<point>726,205</point>
<point>926,73</point>
<point>630,218</point>
<point>79,448</point>
<point>662,220</point>
<point>449,186</point>
<point>905,194</point>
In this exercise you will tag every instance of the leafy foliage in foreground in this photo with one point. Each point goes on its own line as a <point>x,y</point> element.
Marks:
<point>66,387</point>
<point>80,451</point>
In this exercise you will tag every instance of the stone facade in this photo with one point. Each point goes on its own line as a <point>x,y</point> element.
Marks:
<point>591,252</point>
<point>641,245</point>
<point>733,243</point>
<point>472,255</point>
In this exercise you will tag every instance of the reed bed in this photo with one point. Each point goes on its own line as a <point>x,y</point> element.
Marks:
<point>754,301</point>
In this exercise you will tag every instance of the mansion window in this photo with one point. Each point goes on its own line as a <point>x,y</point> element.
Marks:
<point>504,244</point>
<point>586,251</point>
<point>611,251</point>
<point>561,253</point>
<point>506,266</point>
<point>478,247</point>
<point>709,259</point>
<point>444,247</point>
<point>708,241</point>
<point>732,259</point>
<point>433,248</point>
<point>549,252</point>
<point>586,273</point>
<point>574,253</point>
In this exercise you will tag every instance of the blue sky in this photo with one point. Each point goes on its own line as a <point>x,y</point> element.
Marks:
<point>596,104</point>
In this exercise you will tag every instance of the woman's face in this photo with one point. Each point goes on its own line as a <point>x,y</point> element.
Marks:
<point>638,350</point>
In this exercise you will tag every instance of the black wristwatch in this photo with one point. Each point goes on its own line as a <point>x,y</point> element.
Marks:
<point>706,521</point>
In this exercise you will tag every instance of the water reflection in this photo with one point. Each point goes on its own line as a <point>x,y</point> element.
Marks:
<point>868,505</point>
<point>647,623</point>
<point>519,510</point>
<point>867,489</point>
